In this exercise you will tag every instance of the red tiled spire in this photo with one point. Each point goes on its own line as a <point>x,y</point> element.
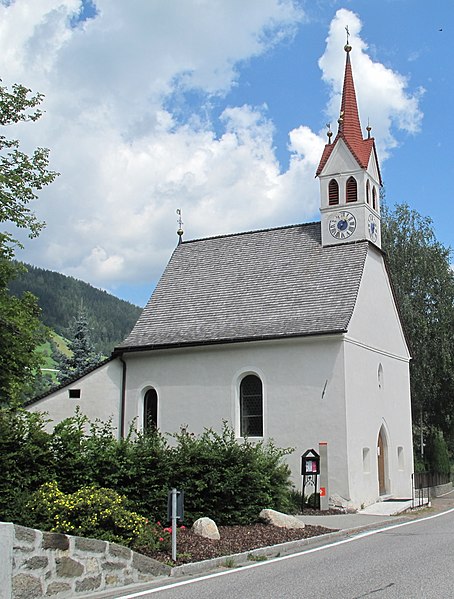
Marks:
<point>349,124</point>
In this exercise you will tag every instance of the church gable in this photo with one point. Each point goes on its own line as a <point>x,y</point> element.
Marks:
<point>375,321</point>
<point>341,160</point>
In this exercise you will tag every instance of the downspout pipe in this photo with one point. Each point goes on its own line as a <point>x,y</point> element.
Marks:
<point>122,397</point>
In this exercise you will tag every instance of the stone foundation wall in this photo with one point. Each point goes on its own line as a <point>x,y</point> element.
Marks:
<point>39,564</point>
<point>440,489</point>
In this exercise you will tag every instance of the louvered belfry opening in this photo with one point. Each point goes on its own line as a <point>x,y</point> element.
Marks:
<point>351,190</point>
<point>333,192</point>
<point>251,407</point>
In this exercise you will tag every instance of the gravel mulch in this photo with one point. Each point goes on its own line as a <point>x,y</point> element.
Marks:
<point>234,539</point>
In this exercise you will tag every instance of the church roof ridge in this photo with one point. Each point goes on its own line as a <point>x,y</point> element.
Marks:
<point>250,232</point>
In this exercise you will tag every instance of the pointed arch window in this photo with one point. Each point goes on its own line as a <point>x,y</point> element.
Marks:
<point>374,198</point>
<point>333,192</point>
<point>367,192</point>
<point>251,406</point>
<point>351,190</point>
<point>150,410</point>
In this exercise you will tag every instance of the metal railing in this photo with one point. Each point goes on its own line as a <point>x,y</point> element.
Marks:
<point>423,482</point>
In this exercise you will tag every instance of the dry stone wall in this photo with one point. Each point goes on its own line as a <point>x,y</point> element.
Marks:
<point>40,564</point>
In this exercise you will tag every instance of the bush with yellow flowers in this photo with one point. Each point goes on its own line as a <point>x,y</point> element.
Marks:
<point>95,512</point>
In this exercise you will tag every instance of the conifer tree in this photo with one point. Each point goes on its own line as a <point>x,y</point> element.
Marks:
<point>83,355</point>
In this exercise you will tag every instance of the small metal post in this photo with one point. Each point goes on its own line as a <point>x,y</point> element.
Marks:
<point>324,490</point>
<point>174,525</point>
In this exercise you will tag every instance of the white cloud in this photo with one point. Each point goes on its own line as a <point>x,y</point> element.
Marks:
<point>382,92</point>
<point>127,162</point>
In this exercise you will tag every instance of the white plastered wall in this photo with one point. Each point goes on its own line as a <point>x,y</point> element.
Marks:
<point>374,342</point>
<point>303,388</point>
<point>99,397</point>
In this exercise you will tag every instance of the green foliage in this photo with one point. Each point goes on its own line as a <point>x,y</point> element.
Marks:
<point>20,332</point>
<point>83,355</point>
<point>424,283</point>
<point>109,318</point>
<point>93,512</point>
<point>228,481</point>
<point>21,176</point>
<point>138,465</point>
<point>26,460</point>
<point>436,454</point>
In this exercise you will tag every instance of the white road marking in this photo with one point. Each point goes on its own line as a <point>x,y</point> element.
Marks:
<point>274,560</point>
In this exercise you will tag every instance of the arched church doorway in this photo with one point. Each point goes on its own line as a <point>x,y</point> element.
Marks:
<point>381,457</point>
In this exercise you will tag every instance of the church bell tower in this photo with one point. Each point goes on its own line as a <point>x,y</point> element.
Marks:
<point>349,176</point>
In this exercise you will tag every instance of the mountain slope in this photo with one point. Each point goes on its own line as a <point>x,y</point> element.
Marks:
<point>60,298</point>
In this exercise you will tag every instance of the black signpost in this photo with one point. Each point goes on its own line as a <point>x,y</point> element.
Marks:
<point>310,470</point>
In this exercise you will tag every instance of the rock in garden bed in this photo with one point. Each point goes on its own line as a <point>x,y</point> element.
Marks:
<point>234,539</point>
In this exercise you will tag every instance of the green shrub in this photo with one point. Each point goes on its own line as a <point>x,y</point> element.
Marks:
<point>138,465</point>
<point>92,512</point>
<point>228,481</point>
<point>222,478</point>
<point>26,460</point>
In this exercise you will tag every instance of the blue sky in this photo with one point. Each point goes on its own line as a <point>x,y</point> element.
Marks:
<point>218,108</point>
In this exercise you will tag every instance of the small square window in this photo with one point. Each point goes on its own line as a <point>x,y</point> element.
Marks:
<point>74,394</point>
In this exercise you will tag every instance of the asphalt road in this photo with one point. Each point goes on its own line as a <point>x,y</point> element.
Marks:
<point>404,561</point>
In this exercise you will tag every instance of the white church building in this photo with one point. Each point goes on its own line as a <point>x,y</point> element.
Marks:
<point>291,334</point>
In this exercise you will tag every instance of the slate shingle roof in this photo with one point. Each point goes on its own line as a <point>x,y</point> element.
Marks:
<point>262,284</point>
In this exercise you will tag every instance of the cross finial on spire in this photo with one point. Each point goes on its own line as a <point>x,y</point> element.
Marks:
<point>347,46</point>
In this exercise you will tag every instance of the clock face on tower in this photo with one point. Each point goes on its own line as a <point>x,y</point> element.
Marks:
<point>372,227</point>
<point>342,225</point>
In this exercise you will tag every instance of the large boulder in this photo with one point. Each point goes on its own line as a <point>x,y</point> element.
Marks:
<point>206,527</point>
<point>281,520</point>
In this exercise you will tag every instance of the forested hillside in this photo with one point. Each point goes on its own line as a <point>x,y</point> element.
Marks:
<point>60,298</point>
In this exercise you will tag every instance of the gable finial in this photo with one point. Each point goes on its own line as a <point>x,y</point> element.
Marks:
<point>329,132</point>
<point>347,46</point>
<point>368,129</point>
<point>180,224</point>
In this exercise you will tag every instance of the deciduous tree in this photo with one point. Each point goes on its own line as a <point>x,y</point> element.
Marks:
<point>21,176</point>
<point>424,283</point>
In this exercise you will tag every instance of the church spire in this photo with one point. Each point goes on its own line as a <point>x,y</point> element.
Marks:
<point>349,124</point>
